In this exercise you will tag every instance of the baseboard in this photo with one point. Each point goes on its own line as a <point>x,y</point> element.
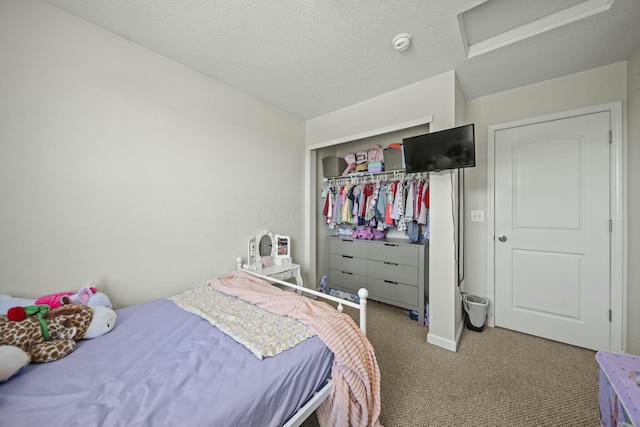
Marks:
<point>442,342</point>
<point>445,343</point>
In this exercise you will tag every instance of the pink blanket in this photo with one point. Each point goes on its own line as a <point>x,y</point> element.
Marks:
<point>355,394</point>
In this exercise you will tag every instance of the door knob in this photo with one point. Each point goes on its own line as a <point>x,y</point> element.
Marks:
<point>502,238</point>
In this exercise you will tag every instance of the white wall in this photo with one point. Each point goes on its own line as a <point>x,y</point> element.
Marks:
<point>120,166</point>
<point>435,96</point>
<point>593,87</point>
<point>633,205</point>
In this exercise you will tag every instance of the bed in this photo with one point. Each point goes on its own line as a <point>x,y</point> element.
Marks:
<point>165,365</point>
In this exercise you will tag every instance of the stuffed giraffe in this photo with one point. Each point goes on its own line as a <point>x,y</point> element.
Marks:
<point>51,335</point>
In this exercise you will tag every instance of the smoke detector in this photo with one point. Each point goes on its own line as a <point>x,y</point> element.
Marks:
<point>402,42</point>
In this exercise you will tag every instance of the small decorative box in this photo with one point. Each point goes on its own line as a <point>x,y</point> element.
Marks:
<point>619,389</point>
<point>283,260</point>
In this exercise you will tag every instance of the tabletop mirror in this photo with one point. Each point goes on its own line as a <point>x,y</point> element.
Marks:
<point>262,250</point>
<point>266,249</point>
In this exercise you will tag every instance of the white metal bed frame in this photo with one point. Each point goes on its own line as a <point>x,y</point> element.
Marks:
<point>304,412</point>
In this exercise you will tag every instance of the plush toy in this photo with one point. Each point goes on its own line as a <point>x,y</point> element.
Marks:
<point>363,233</point>
<point>368,233</point>
<point>47,335</point>
<point>91,297</point>
<point>323,284</point>
<point>86,296</point>
<point>53,300</point>
<point>378,234</point>
<point>12,359</point>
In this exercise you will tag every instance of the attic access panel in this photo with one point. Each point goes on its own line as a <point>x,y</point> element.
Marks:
<point>497,23</point>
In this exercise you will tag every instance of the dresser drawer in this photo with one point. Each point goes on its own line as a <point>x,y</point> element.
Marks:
<point>349,247</point>
<point>398,292</point>
<point>348,263</point>
<point>284,275</point>
<point>406,274</point>
<point>391,252</point>
<point>344,280</point>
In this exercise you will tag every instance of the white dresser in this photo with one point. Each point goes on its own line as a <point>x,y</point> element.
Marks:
<point>394,271</point>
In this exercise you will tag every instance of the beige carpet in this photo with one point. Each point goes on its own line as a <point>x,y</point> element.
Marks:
<point>497,377</point>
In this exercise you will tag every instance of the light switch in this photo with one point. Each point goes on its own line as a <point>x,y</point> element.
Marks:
<point>477,216</point>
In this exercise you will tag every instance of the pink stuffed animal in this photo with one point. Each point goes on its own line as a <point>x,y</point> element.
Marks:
<point>378,234</point>
<point>86,296</point>
<point>363,233</point>
<point>53,300</point>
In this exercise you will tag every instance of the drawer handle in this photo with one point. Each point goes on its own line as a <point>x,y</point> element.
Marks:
<point>389,281</point>
<point>347,241</point>
<point>346,272</point>
<point>390,244</point>
<point>390,263</point>
<point>347,256</point>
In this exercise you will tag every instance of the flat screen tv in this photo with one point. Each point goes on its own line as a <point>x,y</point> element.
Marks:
<point>446,149</point>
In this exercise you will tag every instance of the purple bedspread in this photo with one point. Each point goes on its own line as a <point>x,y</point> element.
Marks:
<point>162,366</point>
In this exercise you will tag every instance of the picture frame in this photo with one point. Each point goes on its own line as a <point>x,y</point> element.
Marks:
<point>283,249</point>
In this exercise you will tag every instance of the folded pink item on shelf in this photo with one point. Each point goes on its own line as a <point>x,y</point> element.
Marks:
<point>375,154</point>
<point>350,158</point>
<point>375,167</point>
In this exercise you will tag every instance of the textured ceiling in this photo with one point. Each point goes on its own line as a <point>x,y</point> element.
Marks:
<point>311,57</point>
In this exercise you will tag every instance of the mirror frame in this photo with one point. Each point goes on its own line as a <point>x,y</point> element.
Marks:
<point>254,257</point>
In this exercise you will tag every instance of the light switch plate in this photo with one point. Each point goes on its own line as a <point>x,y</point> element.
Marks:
<point>477,216</point>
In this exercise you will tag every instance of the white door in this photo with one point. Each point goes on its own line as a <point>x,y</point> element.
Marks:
<point>552,230</point>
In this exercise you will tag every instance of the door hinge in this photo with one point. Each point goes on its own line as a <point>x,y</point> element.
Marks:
<point>610,315</point>
<point>610,226</point>
<point>610,136</point>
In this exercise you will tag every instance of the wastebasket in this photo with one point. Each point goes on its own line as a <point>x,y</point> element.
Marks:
<point>475,311</point>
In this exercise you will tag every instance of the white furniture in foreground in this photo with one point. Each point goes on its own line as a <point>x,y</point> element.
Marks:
<point>281,272</point>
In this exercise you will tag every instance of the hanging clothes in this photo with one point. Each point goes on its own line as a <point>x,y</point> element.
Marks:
<point>381,204</point>
<point>398,204</point>
<point>391,191</point>
<point>370,212</point>
<point>408,208</point>
<point>422,217</point>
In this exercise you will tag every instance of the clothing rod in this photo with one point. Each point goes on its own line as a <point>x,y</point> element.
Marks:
<point>365,177</point>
